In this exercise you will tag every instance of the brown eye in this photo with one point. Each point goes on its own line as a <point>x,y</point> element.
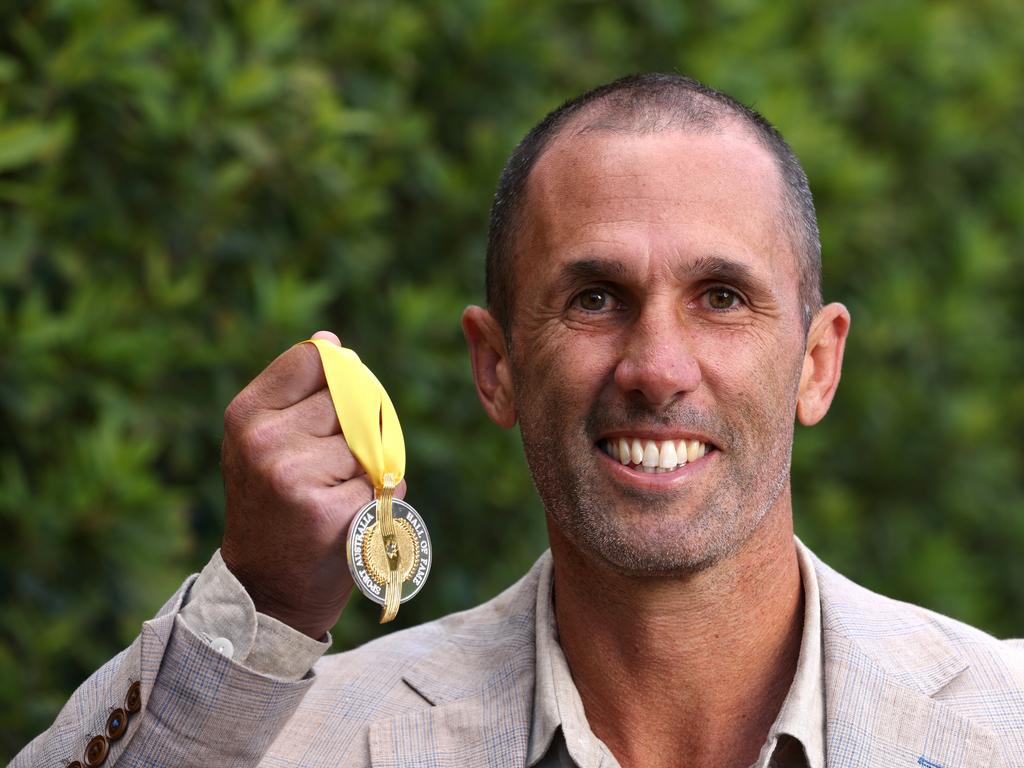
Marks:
<point>593,300</point>
<point>722,298</point>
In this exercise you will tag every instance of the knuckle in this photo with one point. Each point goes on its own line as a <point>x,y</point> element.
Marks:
<point>284,477</point>
<point>234,414</point>
<point>259,436</point>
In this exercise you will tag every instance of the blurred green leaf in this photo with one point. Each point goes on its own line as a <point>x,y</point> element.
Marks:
<point>29,141</point>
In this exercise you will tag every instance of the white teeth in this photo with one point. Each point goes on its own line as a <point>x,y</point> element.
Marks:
<point>668,455</point>
<point>636,455</point>
<point>692,450</point>
<point>650,454</point>
<point>654,456</point>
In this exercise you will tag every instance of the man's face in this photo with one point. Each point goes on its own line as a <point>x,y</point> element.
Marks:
<point>657,302</point>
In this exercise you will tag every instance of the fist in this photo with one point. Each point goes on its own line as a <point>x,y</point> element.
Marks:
<point>292,487</point>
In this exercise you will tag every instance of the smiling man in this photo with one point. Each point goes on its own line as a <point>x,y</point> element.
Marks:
<point>655,328</point>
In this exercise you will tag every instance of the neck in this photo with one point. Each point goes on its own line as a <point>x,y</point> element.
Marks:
<point>689,669</point>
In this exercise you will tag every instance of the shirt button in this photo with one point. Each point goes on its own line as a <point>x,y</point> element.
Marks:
<point>223,646</point>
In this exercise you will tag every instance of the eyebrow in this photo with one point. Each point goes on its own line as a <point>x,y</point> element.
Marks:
<point>720,268</point>
<point>704,268</point>
<point>586,270</point>
<point>709,268</point>
<point>592,269</point>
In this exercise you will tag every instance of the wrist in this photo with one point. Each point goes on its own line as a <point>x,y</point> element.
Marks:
<point>312,620</point>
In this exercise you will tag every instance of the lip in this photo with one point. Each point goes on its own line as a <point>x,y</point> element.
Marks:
<point>624,475</point>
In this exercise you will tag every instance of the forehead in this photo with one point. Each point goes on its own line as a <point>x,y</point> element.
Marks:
<point>668,194</point>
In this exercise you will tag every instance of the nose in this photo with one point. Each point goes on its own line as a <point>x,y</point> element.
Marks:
<point>657,362</point>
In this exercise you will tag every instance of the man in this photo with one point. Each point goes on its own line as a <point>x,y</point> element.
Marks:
<point>654,327</point>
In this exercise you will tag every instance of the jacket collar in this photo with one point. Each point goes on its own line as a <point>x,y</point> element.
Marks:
<point>885,662</point>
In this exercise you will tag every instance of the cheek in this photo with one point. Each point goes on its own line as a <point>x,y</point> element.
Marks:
<point>755,369</point>
<point>560,369</point>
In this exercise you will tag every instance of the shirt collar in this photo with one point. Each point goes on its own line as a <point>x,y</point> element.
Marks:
<point>802,715</point>
<point>557,703</point>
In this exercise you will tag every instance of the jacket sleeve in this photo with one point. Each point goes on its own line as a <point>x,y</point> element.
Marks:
<point>169,699</point>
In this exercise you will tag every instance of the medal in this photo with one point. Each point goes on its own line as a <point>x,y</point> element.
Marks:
<point>368,557</point>
<point>388,548</point>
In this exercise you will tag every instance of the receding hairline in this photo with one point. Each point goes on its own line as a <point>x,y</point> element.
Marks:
<point>648,104</point>
<point>723,122</point>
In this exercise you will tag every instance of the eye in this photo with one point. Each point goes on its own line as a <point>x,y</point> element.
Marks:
<point>595,300</point>
<point>721,298</point>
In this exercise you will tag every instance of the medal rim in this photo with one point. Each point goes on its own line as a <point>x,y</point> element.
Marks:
<point>351,539</point>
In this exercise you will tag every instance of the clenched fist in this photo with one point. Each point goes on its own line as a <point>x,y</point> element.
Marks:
<point>292,487</point>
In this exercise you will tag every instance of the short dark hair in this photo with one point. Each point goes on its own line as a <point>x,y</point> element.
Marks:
<point>647,103</point>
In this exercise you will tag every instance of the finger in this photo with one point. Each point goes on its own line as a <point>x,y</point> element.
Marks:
<point>339,459</point>
<point>310,465</point>
<point>295,375</point>
<point>323,462</point>
<point>315,415</point>
<point>342,502</point>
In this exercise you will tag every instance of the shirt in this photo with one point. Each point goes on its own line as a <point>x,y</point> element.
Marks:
<point>560,736</point>
<point>220,611</point>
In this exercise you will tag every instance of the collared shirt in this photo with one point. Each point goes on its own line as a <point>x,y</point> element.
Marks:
<point>560,736</point>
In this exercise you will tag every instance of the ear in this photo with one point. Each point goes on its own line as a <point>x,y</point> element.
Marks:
<point>488,355</point>
<point>823,362</point>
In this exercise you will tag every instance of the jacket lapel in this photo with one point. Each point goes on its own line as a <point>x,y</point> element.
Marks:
<point>884,667</point>
<point>480,684</point>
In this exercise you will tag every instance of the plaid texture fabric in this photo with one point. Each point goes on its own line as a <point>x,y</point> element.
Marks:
<point>904,687</point>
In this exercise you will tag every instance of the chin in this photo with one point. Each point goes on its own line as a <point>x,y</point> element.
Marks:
<point>642,550</point>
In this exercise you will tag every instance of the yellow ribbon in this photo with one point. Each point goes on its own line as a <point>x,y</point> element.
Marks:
<point>370,424</point>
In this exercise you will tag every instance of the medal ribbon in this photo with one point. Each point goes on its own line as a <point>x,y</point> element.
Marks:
<point>370,424</point>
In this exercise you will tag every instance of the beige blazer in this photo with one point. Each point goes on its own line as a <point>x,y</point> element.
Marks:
<point>904,687</point>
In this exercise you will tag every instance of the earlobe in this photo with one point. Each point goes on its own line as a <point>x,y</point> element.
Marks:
<point>489,359</point>
<point>823,363</point>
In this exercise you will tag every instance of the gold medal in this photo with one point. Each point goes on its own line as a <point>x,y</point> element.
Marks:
<point>368,555</point>
<point>388,550</point>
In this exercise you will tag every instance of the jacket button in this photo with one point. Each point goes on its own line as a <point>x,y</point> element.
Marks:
<point>133,700</point>
<point>96,751</point>
<point>117,724</point>
<point>75,764</point>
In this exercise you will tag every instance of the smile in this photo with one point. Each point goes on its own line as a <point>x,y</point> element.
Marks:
<point>654,456</point>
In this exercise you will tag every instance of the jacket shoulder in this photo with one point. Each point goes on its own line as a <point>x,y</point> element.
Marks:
<point>921,647</point>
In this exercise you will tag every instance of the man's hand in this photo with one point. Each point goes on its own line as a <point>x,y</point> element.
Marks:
<point>292,486</point>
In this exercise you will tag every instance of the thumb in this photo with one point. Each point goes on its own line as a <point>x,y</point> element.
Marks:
<point>327,336</point>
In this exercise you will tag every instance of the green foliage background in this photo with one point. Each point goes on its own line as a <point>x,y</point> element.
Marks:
<point>186,188</point>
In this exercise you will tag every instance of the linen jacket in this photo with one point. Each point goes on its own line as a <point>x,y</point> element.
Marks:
<point>903,686</point>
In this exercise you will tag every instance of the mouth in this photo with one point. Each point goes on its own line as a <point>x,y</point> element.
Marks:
<point>654,456</point>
